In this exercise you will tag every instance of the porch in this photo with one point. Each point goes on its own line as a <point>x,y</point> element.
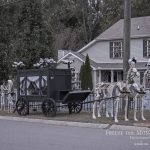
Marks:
<point>110,76</point>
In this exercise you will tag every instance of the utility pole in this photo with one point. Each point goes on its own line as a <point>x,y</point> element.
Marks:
<point>126,42</point>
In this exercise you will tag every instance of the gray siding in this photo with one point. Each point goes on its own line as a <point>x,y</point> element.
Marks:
<point>137,49</point>
<point>99,52</point>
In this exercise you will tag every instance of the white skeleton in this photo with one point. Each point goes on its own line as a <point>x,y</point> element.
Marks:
<point>10,97</point>
<point>4,89</point>
<point>116,90</point>
<point>136,90</point>
<point>146,77</point>
<point>6,94</point>
<point>129,89</point>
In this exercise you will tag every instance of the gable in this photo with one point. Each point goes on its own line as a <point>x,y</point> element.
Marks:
<point>78,58</point>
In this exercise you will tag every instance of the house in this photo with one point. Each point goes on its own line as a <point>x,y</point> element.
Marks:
<point>106,51</point>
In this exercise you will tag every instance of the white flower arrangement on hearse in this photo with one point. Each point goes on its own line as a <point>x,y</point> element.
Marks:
<point>19,64</point>
<point>44,63</point>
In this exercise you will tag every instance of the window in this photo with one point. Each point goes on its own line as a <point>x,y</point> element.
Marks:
<point>118,75</point>
<point>146,48</point>
<point>106,76</point>
<point>116,49</point>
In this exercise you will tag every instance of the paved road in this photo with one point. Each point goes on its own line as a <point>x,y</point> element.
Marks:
<point>38,136</point>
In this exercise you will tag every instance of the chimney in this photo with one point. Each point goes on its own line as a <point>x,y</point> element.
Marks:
<point>62,53</point>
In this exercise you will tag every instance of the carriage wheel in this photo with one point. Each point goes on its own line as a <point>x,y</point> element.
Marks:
<point>74,108</point>
<point>49,107</point>
<point>22,107</point>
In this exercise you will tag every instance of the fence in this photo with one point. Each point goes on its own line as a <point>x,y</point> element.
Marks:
<point>86,106</point>
<point>88,103</point>
<point>4,104</point>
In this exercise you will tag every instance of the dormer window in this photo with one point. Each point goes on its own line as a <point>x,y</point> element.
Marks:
<point>116,49</point>
<point>146,48</point>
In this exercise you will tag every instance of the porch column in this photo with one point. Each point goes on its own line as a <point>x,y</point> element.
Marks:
<point>94,78</point>
<point>99,79</point>
<point>112,76</point>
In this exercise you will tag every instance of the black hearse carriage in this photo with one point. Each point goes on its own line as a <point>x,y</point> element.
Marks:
<point>49,86</point>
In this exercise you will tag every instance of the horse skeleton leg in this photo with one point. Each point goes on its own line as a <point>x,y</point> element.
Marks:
<point>116,112</point>
<point>135,108</point>
<point>106,105</point>
<point>112,108</point>
<point>94,109</point>
<point>99,109</point>
<point>126,108</point>
<point>142,110</point>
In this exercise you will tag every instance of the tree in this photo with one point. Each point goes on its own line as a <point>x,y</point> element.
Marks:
<point>140,8</point>
<point>86,75</point>
<point>112,11</point>
<point>4,66</point>
<point>30,29</point>
<point>6,34</point>
<point>34,39</point>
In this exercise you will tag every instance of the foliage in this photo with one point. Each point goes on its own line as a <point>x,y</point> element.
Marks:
<point>140,8</point>
<point>34,38</point>
<point>30,29</point>
<point>86,75</point>
<point>4,66</point>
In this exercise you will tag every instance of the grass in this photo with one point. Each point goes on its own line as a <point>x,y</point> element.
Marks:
<point>86,117</point>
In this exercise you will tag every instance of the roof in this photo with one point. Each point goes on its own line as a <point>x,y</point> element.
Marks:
<point>140,27</point>
<point>101,66</point>
<point>115,66</point>
<point>80,57</point>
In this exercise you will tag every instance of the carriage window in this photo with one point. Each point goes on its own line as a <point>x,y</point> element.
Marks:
<point>33,85</point>
<point>44,85</point>
<point>22,85</point>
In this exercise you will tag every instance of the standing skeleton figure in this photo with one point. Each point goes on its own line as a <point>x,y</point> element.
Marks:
<point>6,94</point>
<point>10,95</point>
<point>146,78</point>
<point>136,91</point>
<point>4,90</point>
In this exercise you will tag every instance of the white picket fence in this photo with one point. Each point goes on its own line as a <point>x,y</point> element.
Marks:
<point>88,106</point>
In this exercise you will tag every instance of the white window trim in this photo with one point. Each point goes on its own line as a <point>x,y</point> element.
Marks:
<point>114,50</point>
<point>148,48</point>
